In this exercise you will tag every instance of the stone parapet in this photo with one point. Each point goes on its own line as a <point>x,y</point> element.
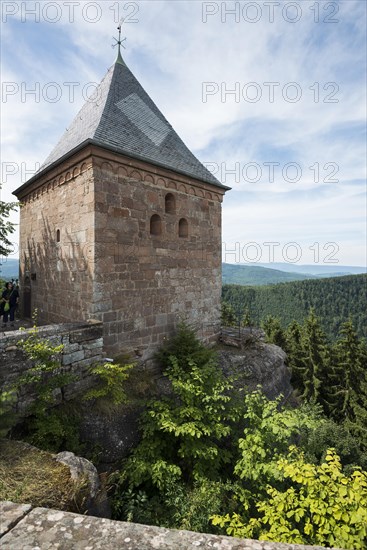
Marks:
<point>82,347</point>
<point>44,528</point>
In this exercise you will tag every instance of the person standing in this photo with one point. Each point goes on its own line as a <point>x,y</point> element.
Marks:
<point>9,303</point>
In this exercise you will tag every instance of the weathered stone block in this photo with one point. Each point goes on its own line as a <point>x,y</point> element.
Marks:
<point>73,357</point>
<point>93,345</point>
<point>11,514</point>
<point>90,333</point>
<point>70,348</point>
<point>45,528</point>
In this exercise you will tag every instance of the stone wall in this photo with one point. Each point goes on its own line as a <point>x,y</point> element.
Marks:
<point>145,282</point>
<point>87,249</point>
<point>24,527</point>
<point>56,243</point>
<point>83,346</point>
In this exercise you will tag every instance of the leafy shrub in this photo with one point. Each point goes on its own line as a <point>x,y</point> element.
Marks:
<point>111,382</point>
<point>8,418</point>
<point>184,346</point>
<point>321,506</point>
<point>184,437</point>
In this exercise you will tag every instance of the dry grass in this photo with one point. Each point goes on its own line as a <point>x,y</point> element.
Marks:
<point>32,476</point>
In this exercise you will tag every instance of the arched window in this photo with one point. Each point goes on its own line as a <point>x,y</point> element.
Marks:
<point>155,225</point>
<point>58,236</point>
<point>170,204</point>
<point>183,228</point>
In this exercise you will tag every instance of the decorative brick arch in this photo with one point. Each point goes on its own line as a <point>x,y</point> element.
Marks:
<point>136,175</point>
<point>122,173</point>
<point>149,179</point>
<point>161,181</point>
<point>107,167</point>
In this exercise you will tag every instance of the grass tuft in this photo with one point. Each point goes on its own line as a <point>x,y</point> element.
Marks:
<point>31,476</point>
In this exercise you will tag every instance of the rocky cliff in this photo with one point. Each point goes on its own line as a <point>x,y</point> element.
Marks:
<point>254,362</point>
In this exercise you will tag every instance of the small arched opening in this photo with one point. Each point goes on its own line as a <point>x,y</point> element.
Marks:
<point>183,228</point>
<point>155,225</point>
<point>170,204</point>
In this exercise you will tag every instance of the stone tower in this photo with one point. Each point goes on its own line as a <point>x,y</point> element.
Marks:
<point>123,224</point>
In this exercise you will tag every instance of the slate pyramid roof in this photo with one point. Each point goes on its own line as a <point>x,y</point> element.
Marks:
<point>122,117</point>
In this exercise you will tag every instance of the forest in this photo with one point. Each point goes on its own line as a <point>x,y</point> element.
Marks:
<point>333,299</point>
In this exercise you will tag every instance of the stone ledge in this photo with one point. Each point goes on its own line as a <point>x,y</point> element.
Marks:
<point>43,528</point>
<point>11,514</point>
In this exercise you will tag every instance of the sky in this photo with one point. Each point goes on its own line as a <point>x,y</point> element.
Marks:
<point>269,95</point>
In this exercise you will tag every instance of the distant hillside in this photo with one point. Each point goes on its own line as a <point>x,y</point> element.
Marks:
<point>334,300</point>
<point>9,268</point>
<point>321,269</point>
<point>238,274</point>
<point>267,274</point>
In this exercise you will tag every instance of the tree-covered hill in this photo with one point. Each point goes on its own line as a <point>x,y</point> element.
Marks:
<point>272,273</point>
<point>258,275</point>
<point>334,300</point>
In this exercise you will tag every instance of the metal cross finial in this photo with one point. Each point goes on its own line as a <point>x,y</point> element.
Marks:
<point>119,42</point>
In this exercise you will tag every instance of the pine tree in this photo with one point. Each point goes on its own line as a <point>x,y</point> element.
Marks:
<point>228,316</point>
<point>315,358</point>
<point>350,391</point>
<point>274,332</point>
<point>295,357</point>
<point>246,319</point>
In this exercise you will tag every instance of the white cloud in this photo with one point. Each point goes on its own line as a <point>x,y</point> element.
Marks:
<point>172,52</point>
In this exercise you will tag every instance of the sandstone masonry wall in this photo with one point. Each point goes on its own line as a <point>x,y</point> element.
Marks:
<point>136,246</point>
<point>56,244</point>
<point>146,282</point>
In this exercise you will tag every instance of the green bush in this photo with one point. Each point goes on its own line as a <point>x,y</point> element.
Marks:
<point>111,382</point>
<point>185,439</point>
<point>321,506</point>
<point>184,346</point>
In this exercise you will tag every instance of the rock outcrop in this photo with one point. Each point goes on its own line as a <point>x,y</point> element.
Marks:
<point>95,502</point>
<point>255,363</point>
<point>113,430</point>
